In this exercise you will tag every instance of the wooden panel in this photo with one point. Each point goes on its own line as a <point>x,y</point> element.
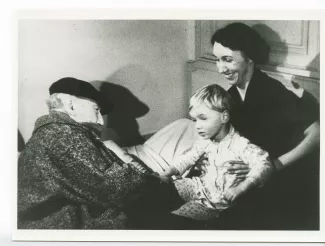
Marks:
<point>202,73</point>
<point>294,44</point>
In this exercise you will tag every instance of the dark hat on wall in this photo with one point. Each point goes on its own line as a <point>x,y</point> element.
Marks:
<point>82,89</point>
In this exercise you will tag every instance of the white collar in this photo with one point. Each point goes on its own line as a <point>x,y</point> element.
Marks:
<point>242,92</point>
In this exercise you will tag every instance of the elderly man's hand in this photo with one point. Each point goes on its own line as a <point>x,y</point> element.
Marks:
<point>138,166</point>
<point>165,179</point>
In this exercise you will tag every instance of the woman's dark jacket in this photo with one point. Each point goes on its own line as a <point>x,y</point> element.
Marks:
<point>275,118</point>
<point>68,179</point>
<point>272,116</point>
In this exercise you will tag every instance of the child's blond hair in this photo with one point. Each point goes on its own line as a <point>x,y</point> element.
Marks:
<point>214,96</point>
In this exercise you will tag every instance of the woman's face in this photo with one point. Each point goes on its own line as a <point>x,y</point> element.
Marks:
<point>236,68</point>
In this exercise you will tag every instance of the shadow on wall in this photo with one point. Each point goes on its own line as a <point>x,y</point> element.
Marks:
<point>276,44</point>
<point>314,65</point>
<point>21,142</point>
<point>121,125</point>
<point>309,98</point>
<point>279,49</point>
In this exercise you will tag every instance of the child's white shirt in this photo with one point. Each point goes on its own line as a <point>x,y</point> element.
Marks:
<point>212,184</point>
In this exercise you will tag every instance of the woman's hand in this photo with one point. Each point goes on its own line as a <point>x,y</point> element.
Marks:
<point>238,168</point>
<point>277,164</point>
<point>232,194</point>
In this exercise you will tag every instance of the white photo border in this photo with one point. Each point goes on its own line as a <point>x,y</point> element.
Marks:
<point>169,236</point>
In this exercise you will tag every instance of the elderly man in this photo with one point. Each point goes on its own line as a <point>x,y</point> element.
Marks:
<point>67,178</point>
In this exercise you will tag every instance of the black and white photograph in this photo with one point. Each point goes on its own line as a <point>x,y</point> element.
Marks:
<point>153,129</point>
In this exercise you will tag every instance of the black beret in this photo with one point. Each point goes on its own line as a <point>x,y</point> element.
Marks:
<point>82,89</point>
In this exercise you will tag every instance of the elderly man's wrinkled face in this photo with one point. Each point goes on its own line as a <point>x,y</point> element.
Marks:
<point>86,111</point>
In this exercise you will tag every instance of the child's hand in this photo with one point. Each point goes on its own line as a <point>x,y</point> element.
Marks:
<point>232,194</point>
<point>202,163</point>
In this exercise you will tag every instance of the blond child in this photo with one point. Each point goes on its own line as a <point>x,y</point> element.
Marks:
<point>216,189</point>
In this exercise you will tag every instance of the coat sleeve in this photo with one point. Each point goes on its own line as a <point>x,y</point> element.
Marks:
<point>83,172</point>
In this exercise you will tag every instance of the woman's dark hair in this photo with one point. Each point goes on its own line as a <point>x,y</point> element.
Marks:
<point>240,37</point>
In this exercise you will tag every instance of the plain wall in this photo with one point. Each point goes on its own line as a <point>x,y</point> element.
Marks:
<point>147,58</point>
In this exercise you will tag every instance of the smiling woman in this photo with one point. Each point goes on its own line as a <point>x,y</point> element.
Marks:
<point>277,120</point>
<point>240,48</point>
<point>234,65</point>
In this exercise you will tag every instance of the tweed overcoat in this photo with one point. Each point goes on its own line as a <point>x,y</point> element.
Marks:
<point>68,179</point>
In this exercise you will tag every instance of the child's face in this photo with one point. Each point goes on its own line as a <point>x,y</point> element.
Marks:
<point>208,122</point>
